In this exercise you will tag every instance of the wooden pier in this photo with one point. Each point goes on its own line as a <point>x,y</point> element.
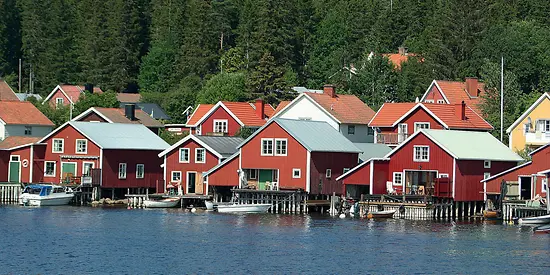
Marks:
<point>136,200</point>
<point>283,201</point>
<point>9,192</point>
<point>512,210</point>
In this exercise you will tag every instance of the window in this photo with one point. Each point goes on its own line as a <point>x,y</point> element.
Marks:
<point>253,174</point>
<point>440,101</point>
<point>81,146</point>
<point>544,185</point>
<point>28,130</point>
<point>184,155</point>
<point>200,155</point>
<point>296,173</point>
<point>421,125</point>
<point>58,102</point>
<point>543,125</point>
<point>267,147</point>
<point>421,153</point>
<point>220,126</point>
<point>486,175</point>
<point>176,176</point>
<point>87,168</point>
<point>443,175</point>
<point>57,145</point>
<point>351,129</point>
<point>280,146</point>
<point>429,101</point>
<point>122,170</point>
<point>140,171</point>
<point>487,164</point>
<point>49,169</point>
<point>370,131</point>
<point>15,158</point>
<point>397,178</point>
<point>346,170</point>
<point>328,173</point>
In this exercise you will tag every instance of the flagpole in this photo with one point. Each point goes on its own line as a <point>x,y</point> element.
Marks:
<point>501,98</point>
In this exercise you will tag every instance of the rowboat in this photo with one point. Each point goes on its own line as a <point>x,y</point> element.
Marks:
<point>45,195</point>
<point>381,214</point>
<point>542,229</point>
<point>162,203</point>
<point>492,214</point>
<point>535,220</point>
<point>243,208</point>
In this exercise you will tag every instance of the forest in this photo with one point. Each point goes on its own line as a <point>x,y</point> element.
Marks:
<point>184,52</point>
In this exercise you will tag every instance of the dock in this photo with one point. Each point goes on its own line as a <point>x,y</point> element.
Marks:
<point>9,192</point>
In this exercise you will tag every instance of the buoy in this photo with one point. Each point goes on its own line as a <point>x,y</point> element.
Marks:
<point>342,216</point>
<point>193,210</point>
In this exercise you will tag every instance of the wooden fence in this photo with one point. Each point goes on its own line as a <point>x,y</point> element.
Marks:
<point>9,192</point>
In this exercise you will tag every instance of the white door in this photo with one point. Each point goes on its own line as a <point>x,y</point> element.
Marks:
<point>402,131</point>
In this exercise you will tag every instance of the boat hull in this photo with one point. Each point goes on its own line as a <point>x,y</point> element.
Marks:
<point>381,214</point>
<point>535,220</point>
<point>243,208</point>
<point>492,215</point>
<point>45,201</point>
<point>166,203</point>
<point>542,229</point>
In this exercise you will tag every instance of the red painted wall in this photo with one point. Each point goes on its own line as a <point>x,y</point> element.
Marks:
<point>207,125</point>
<point>419,115</point>
<point>320,162</point>
<point>92,117</point>
<point>296,157</point>
<point>433,94</point>
<point>24,154</point>
<point>226,175</point>
<point>59,94</point>
<point>150,159</point>
<point>173,164</point>
<point>381,176</point>
<point>360,176</point>
<point>469,173</point>
<point>4,165</point>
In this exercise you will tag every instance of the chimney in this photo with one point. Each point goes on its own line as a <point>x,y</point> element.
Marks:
<point>260,108</point>
<point>460,110</point>
<point>403,50</point>
<point>89,88</point>
<point>471,86</point>
<point>329,90</point>
<point>130,111</point>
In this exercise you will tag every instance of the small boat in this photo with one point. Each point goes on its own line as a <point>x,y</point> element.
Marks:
<point>243,208</point>
<point>492,214</point>
<point>381,214</point>
<point>45,195</point>
<point>535,220</point>
<point>542,229</point>
<point>161,203</point>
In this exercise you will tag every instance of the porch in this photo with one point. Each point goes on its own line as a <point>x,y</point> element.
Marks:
<point>422,183</point>
<point>391,138</point>
<point>260,179</point>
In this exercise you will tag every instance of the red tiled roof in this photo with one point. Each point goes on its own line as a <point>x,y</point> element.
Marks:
<point>22,112</point>
<point>346,108</point>
<point>396,59</point>
<point>455,92</point>
<point>6,93</point>
<point>74,91</point>
<point>14,141</point>
<point>128,98</point>
<point>245,113</point>
<point>281,105</point>
<point>390,113</point>
<point>268,110</point>
<point>199,112</point>
<point>116,115</point>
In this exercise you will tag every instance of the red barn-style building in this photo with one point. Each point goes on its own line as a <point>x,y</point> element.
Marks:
<point>65,94</point>
<point>525,181</point>
<point>289,154</point>
<point>394,122</point>
<point>445,164</point>
<point>454,92</point>
<point>186,161</point>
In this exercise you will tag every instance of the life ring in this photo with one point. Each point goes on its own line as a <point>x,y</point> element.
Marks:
<point>25,163</point>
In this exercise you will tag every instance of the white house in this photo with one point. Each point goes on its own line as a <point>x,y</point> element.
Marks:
<point>22,118</point>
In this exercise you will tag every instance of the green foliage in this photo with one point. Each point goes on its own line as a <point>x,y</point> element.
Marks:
<point>86,101</point>
<point>525,153</point>
<point>224,87</point>
<point>245,132</point>
<point>57,115</point>
<point>170,137</point>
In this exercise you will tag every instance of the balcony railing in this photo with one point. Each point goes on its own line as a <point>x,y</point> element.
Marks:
<point>538,137</point>
<point>390,138</point>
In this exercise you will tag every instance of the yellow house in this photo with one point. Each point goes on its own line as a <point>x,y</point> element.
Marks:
<point>532,128</point>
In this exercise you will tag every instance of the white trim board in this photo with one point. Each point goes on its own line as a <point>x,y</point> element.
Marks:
<point>434,82</point>
<point>185,139</point>
<point>528,111</point>
<point>212,110</point>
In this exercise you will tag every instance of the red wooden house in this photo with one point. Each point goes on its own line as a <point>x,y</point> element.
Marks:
<point>289,154</point>
<point>525,181</point>
<point>454,92</point>
<point>65,94</point>
<point>186,161</point>
<point>227,118</point>
<point>447,164</point>
<point>394,122</point>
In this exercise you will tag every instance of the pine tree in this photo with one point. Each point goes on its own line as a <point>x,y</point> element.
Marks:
<point>10,37</point>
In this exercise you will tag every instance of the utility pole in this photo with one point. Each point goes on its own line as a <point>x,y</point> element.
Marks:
<point>19,75</point>
<point>501,98</point>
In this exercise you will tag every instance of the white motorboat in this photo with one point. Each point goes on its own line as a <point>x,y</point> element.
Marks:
<point>243,208</point>
<point>535,220</point>
<point>161,203</point>
<point>45,195</point>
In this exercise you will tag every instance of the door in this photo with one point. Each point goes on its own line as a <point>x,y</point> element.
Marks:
<point>87,168</point>
<point>199,185</point>
<point>15,169</point>
<point>525,192</point>
<point>264,176</point>
<point>191,182</point>
<point>68,170</point>
<point>402,131</point>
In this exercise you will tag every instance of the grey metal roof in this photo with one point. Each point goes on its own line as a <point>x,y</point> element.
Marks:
<point>315,136</point>
<point>120,135</point>
<point>226,146</point>
<point>372,150</point>
<point>24,96</point>
<point>152,109</point>
<point>300,89</point>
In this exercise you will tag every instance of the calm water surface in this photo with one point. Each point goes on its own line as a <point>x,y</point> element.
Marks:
<point>84,240</point>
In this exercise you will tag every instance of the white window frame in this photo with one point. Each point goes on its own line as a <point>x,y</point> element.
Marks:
<point>262,147</point>
<point>203,155</point>
<point>59,101</point>
<point>255,174</point>
<point>421,159</point>
<point>486,164</point>
<point>16,157</point>
<point>429,101</point>
<point>543,187</point>
<point>85,146</point>
<point>345,170</point>
<point>142,171</point>
<point>29,129</point>
<point>122,172</point>
<point>294,170</point>
<point>223,122</point>
<point>417,124</point>
<point>351,127</point>
<point>486,175</point>
<point>188,155</point>
<point>172,176</point>
<point>328,173</point>
<point>62,145</point>
<point>84,166</point>
<point>440,101</point>
<point>286,146</point>
<point>45,169</point>
<point>394,179</point>
<point>443,175</point>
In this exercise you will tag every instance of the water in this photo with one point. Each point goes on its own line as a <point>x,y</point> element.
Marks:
<point>85,240</point>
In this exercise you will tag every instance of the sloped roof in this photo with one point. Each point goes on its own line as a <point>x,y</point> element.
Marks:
<point>397,59</point>
<point>347,109</point>
<point>467,145</point>
<point>199,112</point>
<point>372,150</point>
<point>72,92</point>
<point>281,105</point>
<point>6,92</point>
<point>152,109</point>
<point>455,92</point>
<point>245,112</point>
<point>390,113</point>
<point>16,141</point>
<point>120,135</point>
<point>24,96</point>
<point>117,115</point>
<point>128,98</point>
<point>315,136</point>
<point>529,110</point>
<point>22,113</point>
<point>268,110</point>
<point>221,164</point>
<point>226,146</point>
